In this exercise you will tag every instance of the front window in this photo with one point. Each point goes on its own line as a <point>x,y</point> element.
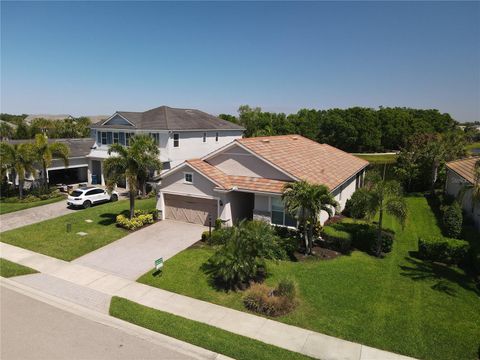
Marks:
<point>188,177</point>
<point>115,138</point>
<point>104,138</point>
<point>280,216</point>
<point>156,138</point>
<point>128,136</point>
<point>176,140</point>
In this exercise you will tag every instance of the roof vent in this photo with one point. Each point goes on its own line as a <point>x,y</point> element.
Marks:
<point>265,140</point>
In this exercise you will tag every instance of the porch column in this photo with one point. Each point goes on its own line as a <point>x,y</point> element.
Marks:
<point>161,205</point>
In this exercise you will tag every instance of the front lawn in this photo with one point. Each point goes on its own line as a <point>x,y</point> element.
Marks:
<point>9,269</point>
<point>193,332</point>
<point>51,238</point>
<point>399,303</point>
<point>8,207</point>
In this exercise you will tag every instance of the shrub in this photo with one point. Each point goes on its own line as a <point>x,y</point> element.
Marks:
<point>205,235</point>
<point>136,223</point>
<point>365,239</point>
<point>452,220</point>
<point>287,287</point>
<point>264,300</point>
<point>336,239</point>
<point>218,223</point>
<point>357,206</point>
<point>220,237</point>
<point>445,250</point>
<point>241,256</point>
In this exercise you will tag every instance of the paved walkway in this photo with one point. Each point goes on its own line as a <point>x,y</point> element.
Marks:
<point>272,332</point>
<point>33,215</point>
<point>135,254</point>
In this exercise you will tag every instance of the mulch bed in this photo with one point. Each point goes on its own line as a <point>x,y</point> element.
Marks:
<point>319,253</point>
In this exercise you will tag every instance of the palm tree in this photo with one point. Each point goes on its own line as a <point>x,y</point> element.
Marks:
<point>20,159</point>
<point>46,152</point>
<point>306,200</point>
<point>384,196</point>
<point>131,162</point>
<point>475,188</point>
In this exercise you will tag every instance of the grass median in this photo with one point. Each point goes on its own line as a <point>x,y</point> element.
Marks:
<point>8,207</point>
<point>10,269</point>
<point>196,333</point>
<point>51,237</point>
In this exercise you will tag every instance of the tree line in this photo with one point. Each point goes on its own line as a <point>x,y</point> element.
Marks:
<point>356,129</point>
<point>15,127</point>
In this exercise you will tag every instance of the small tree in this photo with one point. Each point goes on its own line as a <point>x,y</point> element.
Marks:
<point>46,152</point>
<point>452,220</point>
<point>306,201</point>
<point>19,159</point>
<point>384,196</point>
<point>141,156</point>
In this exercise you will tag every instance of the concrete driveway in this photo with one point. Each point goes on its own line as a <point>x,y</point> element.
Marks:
<point>136,253</point>
<point>33,215</point>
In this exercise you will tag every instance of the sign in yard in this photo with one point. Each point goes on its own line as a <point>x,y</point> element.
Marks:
<point>159,264</point>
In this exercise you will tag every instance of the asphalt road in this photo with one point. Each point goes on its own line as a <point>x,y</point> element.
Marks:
<point>31,329</point>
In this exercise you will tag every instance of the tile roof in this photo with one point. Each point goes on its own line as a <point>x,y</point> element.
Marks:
<point>229,182</point>
<point>167,118</point>
<point>306,159</point>
<point>465,167</point>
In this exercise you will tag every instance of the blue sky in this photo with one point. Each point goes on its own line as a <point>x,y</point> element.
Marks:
<point>99,57</point>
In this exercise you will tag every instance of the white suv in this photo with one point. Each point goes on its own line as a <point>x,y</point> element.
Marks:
<point>87,196</point>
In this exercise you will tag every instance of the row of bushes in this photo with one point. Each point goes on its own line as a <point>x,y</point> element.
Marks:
<point>32,197</point>
<point>343,236</point>
<point>444,250</point>
<point>272,302</point>
<point>141,218</point>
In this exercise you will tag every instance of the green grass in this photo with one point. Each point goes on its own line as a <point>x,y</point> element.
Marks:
<point>9,269</point>
<point>8,207</point>
<point>193,332</point>
<point>379,159</point>
<point>475,145</point>
<point>51,237</point>
<point>398,303</point>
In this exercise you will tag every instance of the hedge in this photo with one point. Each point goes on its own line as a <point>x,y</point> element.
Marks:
<point>336,239</point>
<point>445,250</point>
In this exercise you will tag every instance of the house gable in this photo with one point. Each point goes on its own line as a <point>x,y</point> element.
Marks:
<point>235,160</point>
<point>174,183</point>
<point>117,120</point>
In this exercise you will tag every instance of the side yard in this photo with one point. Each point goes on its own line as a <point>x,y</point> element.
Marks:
<point>52,238</point>
<point>399,303</point>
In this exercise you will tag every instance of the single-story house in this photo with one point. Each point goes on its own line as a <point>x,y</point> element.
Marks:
<point>460,181</point>
<point>245,179</point>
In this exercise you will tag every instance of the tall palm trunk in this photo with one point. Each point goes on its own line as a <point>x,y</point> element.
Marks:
<point>434,177</point>
<point>21,183</point>
<point>45,180</point>
<point>132,204</point>
<point>378,250</point>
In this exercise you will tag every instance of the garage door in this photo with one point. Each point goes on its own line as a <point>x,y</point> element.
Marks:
<point>190,209</point>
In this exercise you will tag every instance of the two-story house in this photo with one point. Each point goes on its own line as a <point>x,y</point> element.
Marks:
<point>179,133</point>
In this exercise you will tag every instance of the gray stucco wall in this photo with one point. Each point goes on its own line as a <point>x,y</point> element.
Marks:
<point>453,186</point>
<point>237,161</point>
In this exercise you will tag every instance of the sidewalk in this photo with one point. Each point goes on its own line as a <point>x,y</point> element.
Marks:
<point>272,332</point>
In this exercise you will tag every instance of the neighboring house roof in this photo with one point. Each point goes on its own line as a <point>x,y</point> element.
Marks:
<point>32,117</point>
<point>296,156</point>
<point>305,159</point>
<point>167,118</point>
<point>12,125</point>
<point>465,168</point>
<point>78,147</point>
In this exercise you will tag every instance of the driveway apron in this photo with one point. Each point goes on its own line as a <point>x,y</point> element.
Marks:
<point>135,254</point>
